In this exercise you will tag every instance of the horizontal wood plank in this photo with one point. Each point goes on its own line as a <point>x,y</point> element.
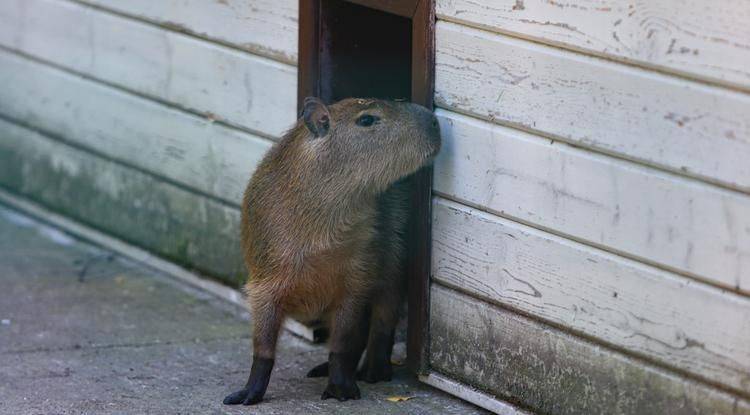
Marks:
<point>249,91</point>
<point>187,149</point>
<point>703,40</point>
<point>661,316</point>
<point>553,372</point>
<point>263,27</point>
<point>681,224</point>
<point>192,230</point>
<point>682,126</point>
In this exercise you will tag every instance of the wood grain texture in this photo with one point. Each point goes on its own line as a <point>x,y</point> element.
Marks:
<point>681,224</point>
<point>704,40</point>
<point>661,316</point>
<point>242,89</point>
<point>552,372</point>
<point>187,149</point>
<point>678,125</point>
<point>194,231</point>
<point>263,27</point>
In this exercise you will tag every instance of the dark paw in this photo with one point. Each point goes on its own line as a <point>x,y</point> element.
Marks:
<point>373,373</point>
<point>244,396</point>
<point>342,392</point>
<point>319,371</point>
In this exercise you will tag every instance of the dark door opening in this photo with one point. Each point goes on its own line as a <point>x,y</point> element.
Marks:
<point>378,49</point>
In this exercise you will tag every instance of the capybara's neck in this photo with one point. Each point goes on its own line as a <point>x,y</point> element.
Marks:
<point>321,198</point>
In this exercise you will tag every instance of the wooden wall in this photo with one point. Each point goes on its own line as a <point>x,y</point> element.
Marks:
<point>592,212</point>
<point>146,119</point>
<point>592,218</point>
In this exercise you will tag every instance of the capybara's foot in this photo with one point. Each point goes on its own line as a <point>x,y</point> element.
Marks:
<point>341,391</point>
<point>319,371</point>
<point>256,385</point>
<point>244,396</point>
<point>376,372</point>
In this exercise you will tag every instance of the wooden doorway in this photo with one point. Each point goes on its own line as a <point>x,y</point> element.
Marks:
<point>379,49</point>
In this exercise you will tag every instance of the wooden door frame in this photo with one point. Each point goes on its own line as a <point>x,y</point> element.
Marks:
<point>418,266</point>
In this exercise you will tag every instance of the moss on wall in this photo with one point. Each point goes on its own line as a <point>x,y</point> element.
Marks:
<point>175,223</point>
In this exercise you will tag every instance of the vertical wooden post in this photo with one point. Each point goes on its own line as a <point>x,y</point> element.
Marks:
<point>419,264</point>
<point>308,56</point>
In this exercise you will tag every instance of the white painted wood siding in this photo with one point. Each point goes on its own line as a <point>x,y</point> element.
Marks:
<point>655,119</point>
<point>263,27</point>
<point>662,316</point>
<point>169,143</point>
<point>171,221</point>
<point>682,224</point>
<point>695,38</point>
<point>242,89</point>
<point>594,183</point>
<point>552,372</point>
<point>174,103</point>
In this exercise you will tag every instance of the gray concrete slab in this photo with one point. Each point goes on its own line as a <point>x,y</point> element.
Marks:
<point>83,330</point>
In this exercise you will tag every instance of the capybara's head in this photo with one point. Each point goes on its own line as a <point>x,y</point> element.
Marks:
<point>371,142</point>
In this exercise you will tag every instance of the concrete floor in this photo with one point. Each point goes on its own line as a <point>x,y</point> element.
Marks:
<point>83,330</point>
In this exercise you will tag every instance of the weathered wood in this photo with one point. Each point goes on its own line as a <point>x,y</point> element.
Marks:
<point>705,40</point>
<point>689,226</point>
<point>552,372</point>
<point>263,27</point>
<point>192,230</point>
<point>249,91</point>
<point>682,126</point>
<point>661,316</point>
<point>187,149</point>
<point>419,225</point>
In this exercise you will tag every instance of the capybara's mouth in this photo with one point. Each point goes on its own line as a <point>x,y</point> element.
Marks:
<point>436,144</point>
<point>432,152</point>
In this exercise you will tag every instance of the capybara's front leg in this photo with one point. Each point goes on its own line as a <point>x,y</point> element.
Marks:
<point>345,345</point>
<point>267,319</point>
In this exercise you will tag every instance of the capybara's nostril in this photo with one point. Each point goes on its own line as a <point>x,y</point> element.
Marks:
<point>434,124</point>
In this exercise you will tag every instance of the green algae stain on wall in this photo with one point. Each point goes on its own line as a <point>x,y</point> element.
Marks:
<point>192,230</point>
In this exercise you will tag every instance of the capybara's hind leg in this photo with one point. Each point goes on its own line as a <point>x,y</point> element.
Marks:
<point>321,370</point>
<point>267,318</point>
<point>383,320</point>
<point>347,338</point>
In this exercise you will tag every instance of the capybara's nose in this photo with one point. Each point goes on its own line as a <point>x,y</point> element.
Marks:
<point>433,128</point>
<point>427,122</point>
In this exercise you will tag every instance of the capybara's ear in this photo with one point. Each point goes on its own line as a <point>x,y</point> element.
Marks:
<point>316,116</point>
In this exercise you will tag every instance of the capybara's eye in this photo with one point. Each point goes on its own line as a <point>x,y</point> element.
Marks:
<point>367,120</point>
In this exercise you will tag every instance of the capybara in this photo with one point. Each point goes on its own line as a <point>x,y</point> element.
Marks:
<point>323,222</point>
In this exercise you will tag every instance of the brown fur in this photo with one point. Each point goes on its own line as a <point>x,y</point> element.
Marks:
<point>322,220</point>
